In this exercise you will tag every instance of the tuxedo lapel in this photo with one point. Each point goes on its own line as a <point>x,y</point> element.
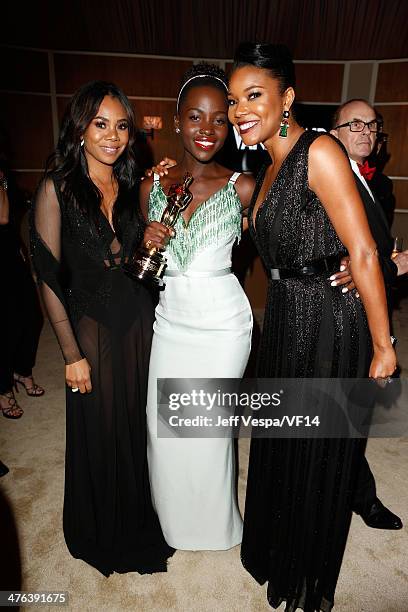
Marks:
<point>380,232</point>
<point>376,217</point>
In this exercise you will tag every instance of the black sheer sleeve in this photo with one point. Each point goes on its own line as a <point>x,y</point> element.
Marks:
<point>46,254</point>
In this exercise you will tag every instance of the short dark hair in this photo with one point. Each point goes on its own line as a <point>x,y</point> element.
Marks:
<point>339,110</point>
<point>277,59</point>
<point>199,75</point>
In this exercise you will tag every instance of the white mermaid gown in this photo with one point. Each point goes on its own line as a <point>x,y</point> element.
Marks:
<point>202,330</point>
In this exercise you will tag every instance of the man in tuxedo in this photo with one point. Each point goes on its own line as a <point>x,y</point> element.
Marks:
<point>355,124</point>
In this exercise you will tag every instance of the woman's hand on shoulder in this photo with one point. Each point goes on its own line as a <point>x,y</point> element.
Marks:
<point>162,168</point>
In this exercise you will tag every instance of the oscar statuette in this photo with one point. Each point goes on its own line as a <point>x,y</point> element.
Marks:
<point>149,264</point>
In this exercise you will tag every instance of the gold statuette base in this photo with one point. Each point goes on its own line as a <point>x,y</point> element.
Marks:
<point>148,267</point>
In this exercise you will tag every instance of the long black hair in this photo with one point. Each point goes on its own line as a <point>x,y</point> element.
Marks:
<point>68,164</point>
<point>277,59</point>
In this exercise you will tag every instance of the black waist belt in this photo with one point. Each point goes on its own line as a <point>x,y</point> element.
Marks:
<point>321,266</point>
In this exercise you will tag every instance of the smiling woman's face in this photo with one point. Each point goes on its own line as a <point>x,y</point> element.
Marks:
<point>203,121</point>
<point>256,104</point>
<point>107,136</point>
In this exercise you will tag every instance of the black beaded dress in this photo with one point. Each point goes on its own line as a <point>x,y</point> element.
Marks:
<point>299,493</point>
<point>97,312</point>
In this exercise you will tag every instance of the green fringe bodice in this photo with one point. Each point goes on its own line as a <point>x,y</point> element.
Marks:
<point>216,219</point>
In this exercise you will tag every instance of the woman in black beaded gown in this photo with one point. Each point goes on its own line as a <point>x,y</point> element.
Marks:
<point>305,211</point>
<point>85,225</point>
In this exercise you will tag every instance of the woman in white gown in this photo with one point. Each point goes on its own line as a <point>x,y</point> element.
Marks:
<point>203,320</point>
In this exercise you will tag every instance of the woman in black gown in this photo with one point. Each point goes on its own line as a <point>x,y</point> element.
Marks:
<point>86,224</point>
<point>305,212</point>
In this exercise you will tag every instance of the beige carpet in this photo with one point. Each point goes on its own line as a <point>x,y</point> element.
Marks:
<point>374,576</point>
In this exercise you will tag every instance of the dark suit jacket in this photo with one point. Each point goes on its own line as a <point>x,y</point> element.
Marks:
<point>382,187</point>
<point>381,234</point>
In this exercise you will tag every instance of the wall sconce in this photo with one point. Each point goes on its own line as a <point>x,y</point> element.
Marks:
<point>150,124</point>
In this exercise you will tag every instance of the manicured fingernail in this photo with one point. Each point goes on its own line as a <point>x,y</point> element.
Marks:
<point>333,284</point>
<point>344,290</point>
<point>332,277</point>
<point>342,268</point>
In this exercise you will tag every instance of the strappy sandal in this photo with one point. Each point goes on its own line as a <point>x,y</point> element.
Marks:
<point>32,390</point>
<point>13,410</point>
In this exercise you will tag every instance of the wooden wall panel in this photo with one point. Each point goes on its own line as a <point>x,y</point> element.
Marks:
<point>359,83</point>
<point>400,229</point>
<point>62,103</point>
<point>28,181</point>
<point>401,195</point>
<point>392,82</point>
<point>319,82</point>
<point>29,127</point>
<point>24,70</point>
<point>396,125</point>
<point>165,141</point>
<point>136,76</point>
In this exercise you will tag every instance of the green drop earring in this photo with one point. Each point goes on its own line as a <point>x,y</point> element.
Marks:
<point>283,132</point>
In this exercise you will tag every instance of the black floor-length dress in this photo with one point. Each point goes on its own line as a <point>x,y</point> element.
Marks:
<point>97,312</point>
<point>21,318</point>
<point>299,493</point>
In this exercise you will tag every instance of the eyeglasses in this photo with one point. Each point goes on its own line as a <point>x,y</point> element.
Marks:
<point>358,126</point>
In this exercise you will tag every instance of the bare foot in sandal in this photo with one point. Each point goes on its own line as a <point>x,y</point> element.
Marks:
<point>9,406</point>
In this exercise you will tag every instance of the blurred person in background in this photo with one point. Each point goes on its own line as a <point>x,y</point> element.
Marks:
<point>21,317</point>
<point>356,125</point>
<point>380,183</point>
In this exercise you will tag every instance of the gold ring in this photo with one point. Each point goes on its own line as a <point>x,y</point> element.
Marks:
<point>148,244</point>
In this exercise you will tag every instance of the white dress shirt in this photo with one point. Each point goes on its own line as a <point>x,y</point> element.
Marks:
<point>356,171</point>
